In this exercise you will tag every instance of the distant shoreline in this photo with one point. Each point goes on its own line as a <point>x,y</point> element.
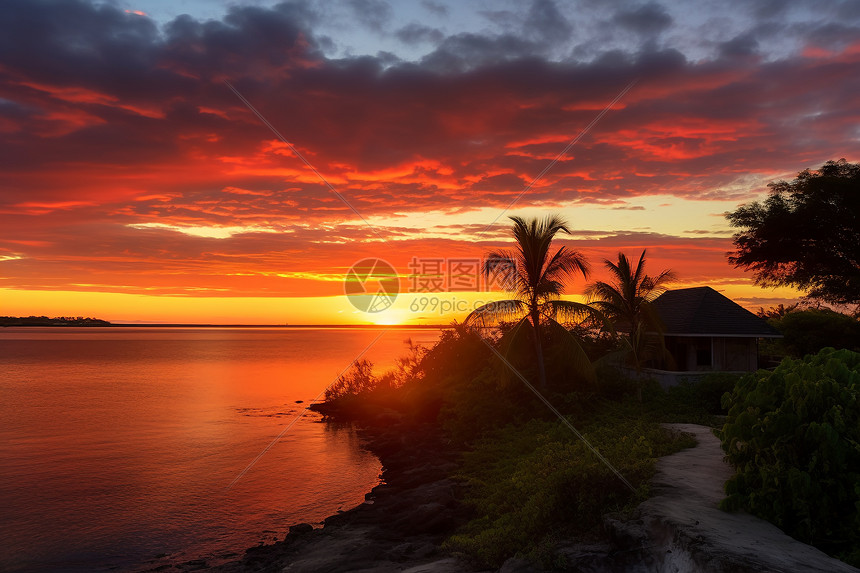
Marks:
<point>376,326</point>
<point>182,325</point>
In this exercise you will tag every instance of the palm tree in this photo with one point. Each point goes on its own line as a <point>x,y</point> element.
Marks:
<point>626,301</point>
<point>536,276</point>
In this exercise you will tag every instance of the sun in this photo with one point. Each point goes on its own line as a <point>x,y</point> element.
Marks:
<point>391,317</point>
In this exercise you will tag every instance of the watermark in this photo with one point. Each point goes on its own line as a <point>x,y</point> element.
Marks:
<point>447,305</point>
<point>461,274</point>
<point>371,285</point>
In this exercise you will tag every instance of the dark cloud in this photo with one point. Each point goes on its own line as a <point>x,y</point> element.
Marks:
<point>764,9</point>
<point>649,19</point>
<point>436,8</point>
<point>739,46</point>
<point>505,19</point>
<point>419,34</point>
<point>831,35</point>
<point>848,10</point>
<point>466,51</point>
<point>374,14</point>
<point>545,22</point>
<point>107,120</point>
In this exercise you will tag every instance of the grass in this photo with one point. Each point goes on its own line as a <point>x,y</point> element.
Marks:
<point>528,483</point>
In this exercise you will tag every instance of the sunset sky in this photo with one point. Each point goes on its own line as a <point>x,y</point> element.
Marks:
<point>136,186</point>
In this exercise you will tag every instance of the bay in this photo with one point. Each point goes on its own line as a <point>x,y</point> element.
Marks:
<point>119,447</point>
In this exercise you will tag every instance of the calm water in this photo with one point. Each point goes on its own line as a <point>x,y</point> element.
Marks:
<point>117,445</point>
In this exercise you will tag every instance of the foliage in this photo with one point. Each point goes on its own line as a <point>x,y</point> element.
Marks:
<point>527,481</point>
<point>808,331</point>
<point>806,234</point>
<point>794,436</point>
<point>705,394</point>
<point>626,301</point>
<point>357,380</point>
<point>537,278</point>
<point>778,311</point>
<point>452,379</point>
<point>594,338</point>
<point>531,479</point>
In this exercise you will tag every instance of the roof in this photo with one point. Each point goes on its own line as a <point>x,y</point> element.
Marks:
<point>702,311</point>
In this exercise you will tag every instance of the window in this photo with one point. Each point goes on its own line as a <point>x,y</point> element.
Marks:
<point>703,352</point>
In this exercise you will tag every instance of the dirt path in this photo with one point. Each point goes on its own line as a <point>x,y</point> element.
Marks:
<point>690,533</point>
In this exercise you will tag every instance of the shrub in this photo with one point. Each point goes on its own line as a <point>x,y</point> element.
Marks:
<point>794,437</point>
<point>357,380</point>
<point>707,393</point>
<point>528,480</point>
<point>808,331</point>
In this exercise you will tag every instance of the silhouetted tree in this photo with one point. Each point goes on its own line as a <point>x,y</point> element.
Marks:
<point>537,277</point>
<point>626,301</point>
<point>806,234</point>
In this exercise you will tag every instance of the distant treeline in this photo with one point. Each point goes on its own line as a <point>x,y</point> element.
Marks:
<point>56,321</point>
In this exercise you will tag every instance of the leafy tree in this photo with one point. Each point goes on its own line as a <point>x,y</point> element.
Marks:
<point>626,301</point>
<point>806,234</point>
<point>777,312</point>
<point>537,278</point>
<point>808,331</point>
<point>793,435</point>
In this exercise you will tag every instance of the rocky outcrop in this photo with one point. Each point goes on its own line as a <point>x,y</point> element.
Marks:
<point>400,525</point>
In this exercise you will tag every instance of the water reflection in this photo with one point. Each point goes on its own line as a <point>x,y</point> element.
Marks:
<point>118,444</point>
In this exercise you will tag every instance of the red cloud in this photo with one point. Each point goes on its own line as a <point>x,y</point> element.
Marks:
<point>139,129</point>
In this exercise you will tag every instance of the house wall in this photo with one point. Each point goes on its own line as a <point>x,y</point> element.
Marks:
<point>665,378</point>
<point>740,354</point>
<point>711,354</point>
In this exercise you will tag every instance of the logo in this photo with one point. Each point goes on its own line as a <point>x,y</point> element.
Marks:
<point>371,285</point>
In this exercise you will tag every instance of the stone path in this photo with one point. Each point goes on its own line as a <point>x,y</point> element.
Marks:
<point>689,533</point>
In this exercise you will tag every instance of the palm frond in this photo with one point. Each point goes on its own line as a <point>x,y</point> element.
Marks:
<point>566,263</point>
<point>492,313</point>
<point>501,264</point>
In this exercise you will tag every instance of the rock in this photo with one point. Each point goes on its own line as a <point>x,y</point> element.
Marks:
<point>519,565</point>
<point>410,515</point>
<point>300,529</point>
<point>194,565</point>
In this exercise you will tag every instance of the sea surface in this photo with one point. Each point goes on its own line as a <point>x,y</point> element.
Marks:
<point>118,446</point>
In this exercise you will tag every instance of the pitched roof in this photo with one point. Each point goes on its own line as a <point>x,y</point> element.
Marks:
<point>702,311</point>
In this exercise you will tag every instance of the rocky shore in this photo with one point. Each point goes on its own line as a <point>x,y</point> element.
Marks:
<point>403,522</point>
<point>399,527</point>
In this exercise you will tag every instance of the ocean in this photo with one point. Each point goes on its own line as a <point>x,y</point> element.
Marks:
<point>118,446</point>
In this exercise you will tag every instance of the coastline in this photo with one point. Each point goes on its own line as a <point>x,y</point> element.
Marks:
<point>399,527</point>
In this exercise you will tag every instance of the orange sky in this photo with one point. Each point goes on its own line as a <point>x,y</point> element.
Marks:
<point>135,186</point>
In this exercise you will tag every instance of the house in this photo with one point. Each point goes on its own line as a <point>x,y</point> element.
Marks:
<point>705,331</point>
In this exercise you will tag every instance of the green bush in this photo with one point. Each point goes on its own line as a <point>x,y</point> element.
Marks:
<point>794,437</point>
<point>527,481</point>
<point>705,394</point>
<point>808,331</point>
